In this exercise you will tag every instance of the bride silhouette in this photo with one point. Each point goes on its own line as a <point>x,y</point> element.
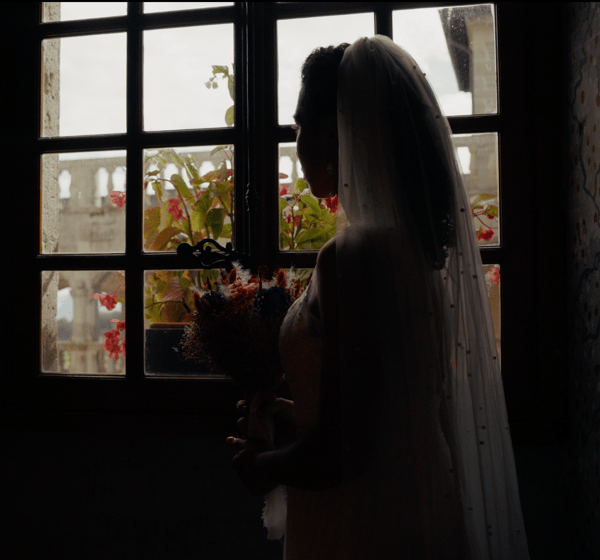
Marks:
<point>396,444</point>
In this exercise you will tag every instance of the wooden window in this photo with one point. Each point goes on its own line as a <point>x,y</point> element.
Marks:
<point>494,139</point>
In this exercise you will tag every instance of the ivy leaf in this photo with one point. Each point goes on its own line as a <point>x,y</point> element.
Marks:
<point>214,220</point>
<point>229,114</point>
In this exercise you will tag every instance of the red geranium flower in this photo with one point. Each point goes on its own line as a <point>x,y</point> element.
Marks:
<point>484,234</point>
<point>332,204</point>
<point>118,198</point>
<point>106,300</point>
<point>174,209</point>
<point>284,190</point>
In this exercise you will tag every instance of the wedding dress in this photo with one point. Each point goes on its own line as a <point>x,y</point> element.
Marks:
<point>420,385</point>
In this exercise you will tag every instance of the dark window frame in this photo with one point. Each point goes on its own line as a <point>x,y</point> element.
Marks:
<point>206,406</point>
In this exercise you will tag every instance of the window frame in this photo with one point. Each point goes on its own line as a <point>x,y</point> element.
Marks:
<point>154,403</point>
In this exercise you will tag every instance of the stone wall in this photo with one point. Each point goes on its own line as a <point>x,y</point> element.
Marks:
<point>582,182</point>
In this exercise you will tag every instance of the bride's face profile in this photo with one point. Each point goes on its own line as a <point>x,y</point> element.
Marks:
<point>317,150</point>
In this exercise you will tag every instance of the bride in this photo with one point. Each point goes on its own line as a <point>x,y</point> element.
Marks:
<point>400,445</point>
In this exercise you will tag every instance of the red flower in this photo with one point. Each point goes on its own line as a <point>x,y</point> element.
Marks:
<point>174,209</point>
<point>118,198</point>
<point>332,204</point>
<point>493,275</point>
<point>106,300</point>
<point>284,190</point>
<point>120,324</point>
<point>484,234</point>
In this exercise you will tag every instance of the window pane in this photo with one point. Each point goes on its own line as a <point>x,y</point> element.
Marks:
<point>188,196</point>
<point>492,280</point>
<point>478,157</point>
<point>153,7</point>
<point>83,321</point>
<point>68,11</point>
<point>84,85</point>
<point>188,80</point>
<point>456,49</point>
<point>169,301</point>
<point>305,223</point>
<point>296,38</point>
<point>83,198</point>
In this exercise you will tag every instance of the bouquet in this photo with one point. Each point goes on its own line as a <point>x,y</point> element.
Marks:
<point>235,327</point>
<point>235,331</point>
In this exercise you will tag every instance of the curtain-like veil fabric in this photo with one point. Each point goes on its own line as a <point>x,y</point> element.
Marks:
<point>427,447</point>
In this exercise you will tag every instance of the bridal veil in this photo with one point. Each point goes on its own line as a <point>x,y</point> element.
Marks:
<point>421,383</point>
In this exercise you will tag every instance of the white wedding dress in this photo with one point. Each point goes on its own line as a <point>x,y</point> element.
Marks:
<point>419,382</point>
<point>376,515</point>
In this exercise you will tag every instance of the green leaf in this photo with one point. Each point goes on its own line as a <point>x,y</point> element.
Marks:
<point>153,173</point>
<point>166,218</point>
<point>196,219</point>
<point>173,156</point>
<point>231,86</point>
<point>191,166</point>
<point>282,204</point>
<point>229,115</point>
<point>311,203</point>
<point>300,186</point>
<point>217,149</point>
<point>157,186</point>
<point>203,205</point>
<point>310,235</point>
<point>214,220</point>
<point>181,186</point>
<point>220,70</point>
<point>492,211</point>
<point>163,237</point>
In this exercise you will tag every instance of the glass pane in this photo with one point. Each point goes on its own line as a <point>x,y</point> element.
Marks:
<point>83,199</point>
<point>305,223</point>
<point>492,280</point>
<point>478,157</point>
<point>188,196</point>
<point>68,11</point>
<point>182,69</point>
<point>456,48</point>
<point>83,321</point>
<point>296,38</point>
<point>153,7</point>
<point>169,301</point>
<point>84,85</point>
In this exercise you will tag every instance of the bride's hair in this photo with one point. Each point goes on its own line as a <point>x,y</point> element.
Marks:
<point>319,79</point>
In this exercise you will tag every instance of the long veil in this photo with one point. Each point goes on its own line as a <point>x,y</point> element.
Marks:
<point>417,338</point>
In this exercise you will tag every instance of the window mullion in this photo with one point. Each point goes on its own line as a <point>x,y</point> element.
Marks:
<point>134,270</point>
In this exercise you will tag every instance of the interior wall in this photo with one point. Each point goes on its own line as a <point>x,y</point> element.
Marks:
<point>583,207</point>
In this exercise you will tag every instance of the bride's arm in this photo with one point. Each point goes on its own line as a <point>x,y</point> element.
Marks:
<point>313,462</point>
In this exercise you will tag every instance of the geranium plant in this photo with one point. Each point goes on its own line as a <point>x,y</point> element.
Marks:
<point>306,223</point>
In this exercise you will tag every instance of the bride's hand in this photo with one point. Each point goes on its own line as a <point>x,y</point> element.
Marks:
<point>246,465</point>
<point>283,413</point>
<point>284,420</point>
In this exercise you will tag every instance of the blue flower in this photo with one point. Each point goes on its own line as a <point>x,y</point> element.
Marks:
<point>273,302</point>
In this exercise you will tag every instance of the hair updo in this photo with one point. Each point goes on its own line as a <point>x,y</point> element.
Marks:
<point>319,79</point>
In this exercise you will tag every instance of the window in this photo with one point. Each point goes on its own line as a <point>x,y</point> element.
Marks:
<point>489,120</point>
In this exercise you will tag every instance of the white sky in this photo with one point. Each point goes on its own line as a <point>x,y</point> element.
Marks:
<point>178,62</point>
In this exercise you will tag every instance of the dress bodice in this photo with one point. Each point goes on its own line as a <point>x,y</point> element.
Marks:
<point>300,347</point>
